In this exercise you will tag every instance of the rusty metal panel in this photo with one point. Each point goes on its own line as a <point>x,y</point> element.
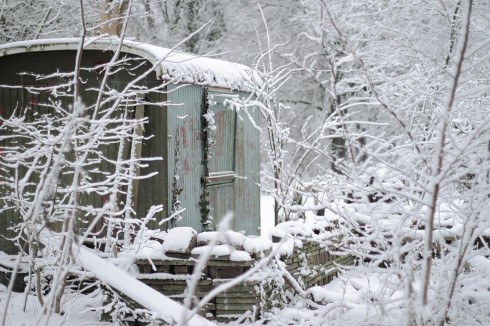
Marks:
<point>184,139</point>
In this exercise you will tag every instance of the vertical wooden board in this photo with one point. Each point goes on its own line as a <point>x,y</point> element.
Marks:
<point>184,137</point>
<point>247,193</point>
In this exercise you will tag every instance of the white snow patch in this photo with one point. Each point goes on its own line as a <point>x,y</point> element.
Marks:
<point>179,239</point>
<point>210,122</point>
<point>256,245</point>
<point>9,262</point>
<point>286,247</point>
<point>266,215</point>
<point>232,238</point>
<point>240,255</point>
<point>216,251</point>
<point>324,295</point>
<point>78,309</point>
<point>294,228</point>
<point>223,250</point>
<point>481,263</point>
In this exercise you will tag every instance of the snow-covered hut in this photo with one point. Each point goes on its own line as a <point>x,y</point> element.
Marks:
<point>210,152</point>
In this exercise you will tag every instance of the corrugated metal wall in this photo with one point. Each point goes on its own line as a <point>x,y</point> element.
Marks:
<point>154,190</point>
<point>185,159</point>
<point>9,99</point>
<point>43,63</point>
<point>28,104</point>
<point>185,151</point>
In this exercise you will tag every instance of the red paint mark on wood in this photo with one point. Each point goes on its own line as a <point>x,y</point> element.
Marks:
<point>186,166</point>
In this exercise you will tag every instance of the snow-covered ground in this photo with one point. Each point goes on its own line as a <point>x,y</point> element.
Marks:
<point>353,291</point>
<point>84,309</point>
<point>350,299</point>
<point>77,310</point>
<point>355,298</point>
<point>81,309</point>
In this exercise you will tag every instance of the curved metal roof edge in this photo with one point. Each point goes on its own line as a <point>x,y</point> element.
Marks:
<point>201,70</point>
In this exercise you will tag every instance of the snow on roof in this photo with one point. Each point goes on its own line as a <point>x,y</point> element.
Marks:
<point>169,64</point>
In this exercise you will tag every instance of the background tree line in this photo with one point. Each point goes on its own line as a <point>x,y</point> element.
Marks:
<point>374,111</point>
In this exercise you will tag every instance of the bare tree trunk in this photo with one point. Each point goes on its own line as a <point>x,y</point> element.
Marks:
<point>110,15</point>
